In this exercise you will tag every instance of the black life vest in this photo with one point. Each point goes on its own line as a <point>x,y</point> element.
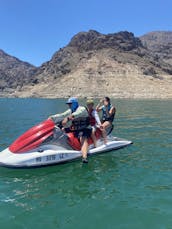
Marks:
<point>80,123</point>
<point>105,116</point>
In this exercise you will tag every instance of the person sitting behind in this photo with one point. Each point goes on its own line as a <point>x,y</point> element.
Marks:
<point>94,120</point>
<point>76,119</point>
<point>108,114</point>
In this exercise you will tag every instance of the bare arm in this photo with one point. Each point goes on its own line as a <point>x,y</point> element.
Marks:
<point>99,106</point>
<point>112,111</point>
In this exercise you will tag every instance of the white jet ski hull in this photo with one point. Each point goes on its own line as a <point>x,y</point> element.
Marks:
<point>51,154</point>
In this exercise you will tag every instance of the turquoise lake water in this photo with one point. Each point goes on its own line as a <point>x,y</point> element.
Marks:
<point>129,188</point>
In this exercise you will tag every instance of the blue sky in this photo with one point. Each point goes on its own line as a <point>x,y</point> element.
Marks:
<point>33,30</point>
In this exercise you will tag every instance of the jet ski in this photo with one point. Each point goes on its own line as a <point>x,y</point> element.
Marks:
<point>46,144</point>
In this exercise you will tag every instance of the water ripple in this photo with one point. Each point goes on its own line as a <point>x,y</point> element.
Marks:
<point>129,188</point>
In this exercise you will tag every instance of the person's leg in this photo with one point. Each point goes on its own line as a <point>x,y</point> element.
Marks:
<point>84,143</point>
<point>105,125</point>
<point>104,135</point>
<point>94,137</point>
<point>84,148</point>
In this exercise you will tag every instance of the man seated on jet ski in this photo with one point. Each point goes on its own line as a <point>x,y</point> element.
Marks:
<point>76,119</point>
<point>108,114</point>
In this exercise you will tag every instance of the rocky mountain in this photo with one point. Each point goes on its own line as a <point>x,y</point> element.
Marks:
<point>95,64</point>
<point>14,73</point>
<point>120,47</point>
<point>160,44</point>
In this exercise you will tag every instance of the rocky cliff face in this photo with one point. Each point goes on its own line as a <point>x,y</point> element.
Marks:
<point>160,44</point>
<point>122,48</point>
<point>94,64</point>
<point>14,73</point>
<point>92,40</point>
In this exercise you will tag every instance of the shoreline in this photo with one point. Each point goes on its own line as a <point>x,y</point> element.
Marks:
<point>84,97</point>
<point>126,87</point>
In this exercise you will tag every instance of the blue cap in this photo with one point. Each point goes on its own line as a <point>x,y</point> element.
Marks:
<point>74,103</point>
<point>72,100</point>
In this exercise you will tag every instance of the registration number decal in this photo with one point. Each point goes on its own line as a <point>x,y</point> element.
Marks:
<point>51,157</point>
<point>38,159</point>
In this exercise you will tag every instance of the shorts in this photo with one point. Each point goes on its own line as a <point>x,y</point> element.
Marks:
<point>83,133</point>
<point>110,119</point>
